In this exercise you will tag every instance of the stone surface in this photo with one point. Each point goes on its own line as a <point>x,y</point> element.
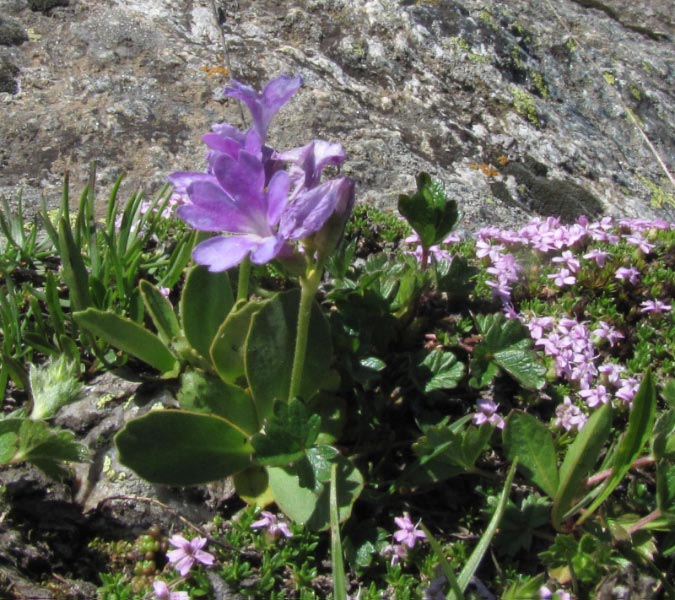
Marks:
<point>519,107</point>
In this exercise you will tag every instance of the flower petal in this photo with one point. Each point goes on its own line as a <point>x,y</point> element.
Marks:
<point>214,210</point>
<point>224,252</point>
<point>243,179</point>
<point>267,250</point>
<point>277,197</point>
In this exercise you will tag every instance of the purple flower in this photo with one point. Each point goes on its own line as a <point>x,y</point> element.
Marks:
<point>595,396</point>
<point>570,261</point>
<point>599,256</point>
<point>272,524</point>
<point>630,274</point>
<point>264,105</point>
<point>308,161</point>
<point>187,553</point>
<point>563,278</point>
<point>162,592</point>
<point>407,534</point>
<point>487,413</point>
<point>606,331</point>
<point>654,307</point>
<point>636,239</point>
<point>629,387</point>
<point>569,416</point>
<point>397,552</point>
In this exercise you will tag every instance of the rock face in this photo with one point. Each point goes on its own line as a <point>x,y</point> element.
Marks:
<point>520,107</point>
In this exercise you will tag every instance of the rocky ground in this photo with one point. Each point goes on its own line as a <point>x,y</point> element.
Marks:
<point>520,108</point>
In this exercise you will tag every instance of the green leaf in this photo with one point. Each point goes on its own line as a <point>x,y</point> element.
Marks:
<point>640,425</point>
<point>306,501</point>
<point>9,444</point>
<point>445,452</point>
<point>481,548</point>
<point>176,447</point>
<point>446,567</point>
<point>229,344</point>
<point>438,370</point>
<point>201,392</point>
<point>161,312</point>
<point>270,348</point>
<point>74,272</point>
<point>128,336</point>
<point>507,345</point>
<point>529,440</point>
<point>428,211</point>
<point>580,458</point>
<point>337,561</point>
<point>288,434</point>
<point>664,431</point>
<point>206,300</point>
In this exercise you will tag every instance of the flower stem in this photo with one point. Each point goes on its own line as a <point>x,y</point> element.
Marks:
<point>244,277</point>
<point>308,288</point>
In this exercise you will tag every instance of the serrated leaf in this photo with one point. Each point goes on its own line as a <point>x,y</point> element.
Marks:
<point>529,440</point>
<point>128,336</point>
<point>439,370</point>
<point>580,458</point>
<point>176,447</point>
<point>288,434</point>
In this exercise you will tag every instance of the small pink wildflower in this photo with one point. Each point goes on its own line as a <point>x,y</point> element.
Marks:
<point>408,533</point>
<point>654,307</point>
<point>487,413</point>
<point>187,553</point>
<point>162,592</point>
<point>569,416</point>
<point>629,274</point>
<point>272,524</point>
<point>599,256</point>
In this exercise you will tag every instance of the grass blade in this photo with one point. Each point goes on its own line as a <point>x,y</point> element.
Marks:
<point>337,562</point>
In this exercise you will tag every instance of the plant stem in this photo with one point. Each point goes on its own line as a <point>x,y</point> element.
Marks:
<point>308,288</point>
<point>244,277</point>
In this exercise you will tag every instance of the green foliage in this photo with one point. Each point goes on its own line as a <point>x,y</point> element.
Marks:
<point>524,105</point>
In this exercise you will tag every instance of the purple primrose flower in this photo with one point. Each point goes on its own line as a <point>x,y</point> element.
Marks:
<point>162,592</point>
<point>187,553</point>
<point>272,524</point>
<point>408,533</point>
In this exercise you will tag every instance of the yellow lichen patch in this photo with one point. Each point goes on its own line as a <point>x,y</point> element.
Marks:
<point>217,71</point>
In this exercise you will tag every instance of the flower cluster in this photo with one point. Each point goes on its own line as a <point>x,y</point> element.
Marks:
<point>261,209</point>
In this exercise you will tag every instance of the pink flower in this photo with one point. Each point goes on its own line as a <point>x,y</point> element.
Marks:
<point>407,534</point>
<point>162,592</point>
<point>637,240</point>
<point>272,524</point>
<point>654,307</point>
<point>397,552</point>
<point>563,277</point>
<point>569,416</point>
<point>570,261</point>
<point>630,274</point>
<point>599,256</point>
<point>487,413</point>
<point>187,553</point>
<point>595,396</point>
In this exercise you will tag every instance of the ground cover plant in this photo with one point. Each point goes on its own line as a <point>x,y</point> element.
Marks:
<point>404,413</point>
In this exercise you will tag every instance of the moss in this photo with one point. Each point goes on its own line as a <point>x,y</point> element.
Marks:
<point>609,77</point>
<point>540,84</point>
<point>571,45</point>
<point>635,92</point>
<point>525,106</point>
<point>464,46</point>
<point>659,196</point>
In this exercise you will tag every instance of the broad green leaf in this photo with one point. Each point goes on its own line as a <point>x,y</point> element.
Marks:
<point>640,425</point>
<point>506,344</point>
<point>9,443</point>
<point>206,300</point>
<point>128,336</point>
<point>252,486</point>
<point>580,458</point>
<point>529,440</point>
<point>201,392</point>
<point>439,370</point>
<point>229,344</point>
<point>306,501</point>
<point>445,452</point>
<point>161,312</point>
<point>428,211</point>
<point>288,434</point>
<point>176,447</point>
<point>270,348</point>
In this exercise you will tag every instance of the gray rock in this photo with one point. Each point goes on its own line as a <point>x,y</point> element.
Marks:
<point>11,32</point>
<point>474,92</point>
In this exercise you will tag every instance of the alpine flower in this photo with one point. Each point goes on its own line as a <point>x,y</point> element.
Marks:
<point>407,534</point>
<point>187,553</point>
<point>162,592</point>
<point>272,524</point>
